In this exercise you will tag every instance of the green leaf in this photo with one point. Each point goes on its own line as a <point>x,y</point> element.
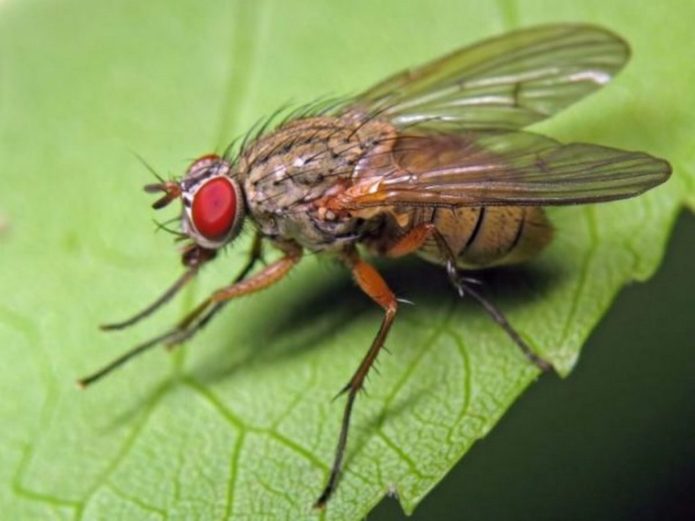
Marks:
<point>240,424</point>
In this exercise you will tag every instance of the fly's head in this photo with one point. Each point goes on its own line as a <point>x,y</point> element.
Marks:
<point>213,206</point>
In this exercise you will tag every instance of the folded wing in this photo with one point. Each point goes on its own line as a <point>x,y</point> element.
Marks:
<point>494,168</point>
<point>507,82</point>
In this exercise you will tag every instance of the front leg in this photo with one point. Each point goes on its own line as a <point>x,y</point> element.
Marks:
<point>201,314</point>
<point>369,281</point>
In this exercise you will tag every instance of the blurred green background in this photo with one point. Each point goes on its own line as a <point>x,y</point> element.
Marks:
<point>615,441</point>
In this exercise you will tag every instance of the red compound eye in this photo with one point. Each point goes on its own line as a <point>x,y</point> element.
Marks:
<point>214,208</point>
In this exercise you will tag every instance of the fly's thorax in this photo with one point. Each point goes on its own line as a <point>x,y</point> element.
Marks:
<point>289,174</point>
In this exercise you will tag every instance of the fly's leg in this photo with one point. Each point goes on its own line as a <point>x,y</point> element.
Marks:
<point>411,241</point>
<point>209,307</point>
<point>369,281</point>
<point>201,314</point>
<point>195,258</point>
<point>464,286</point>
<point>416,237</point>
<point>191,324</point>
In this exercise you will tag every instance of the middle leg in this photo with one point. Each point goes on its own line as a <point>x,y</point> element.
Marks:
<point>195,320</point>
<point>370,281</point>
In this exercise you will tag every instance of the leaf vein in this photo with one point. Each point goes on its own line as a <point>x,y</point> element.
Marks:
<point>233,474</point>
<point>162,514</point>
<point>412,466</point>
<point>583,275</point>
<point>125,448</point>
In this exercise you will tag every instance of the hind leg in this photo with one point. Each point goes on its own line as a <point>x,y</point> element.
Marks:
<point>464,286</point>
<point>417,237</point>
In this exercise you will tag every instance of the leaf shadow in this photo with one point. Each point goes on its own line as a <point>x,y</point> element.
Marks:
<point>322,309</point>
<point>312,316</point>
<point>424,283</point>
<point>315,315</point>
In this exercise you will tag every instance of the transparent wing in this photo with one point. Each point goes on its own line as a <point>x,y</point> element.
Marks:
<point>507,82</point>
<point>495,168</point>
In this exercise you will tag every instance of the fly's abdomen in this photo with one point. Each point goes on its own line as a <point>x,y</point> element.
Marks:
<point>489,236</point>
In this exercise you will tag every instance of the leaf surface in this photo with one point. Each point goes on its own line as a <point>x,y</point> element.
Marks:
<point>240,424</point>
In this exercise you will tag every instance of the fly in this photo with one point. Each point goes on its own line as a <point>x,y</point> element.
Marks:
<point>432,161</point>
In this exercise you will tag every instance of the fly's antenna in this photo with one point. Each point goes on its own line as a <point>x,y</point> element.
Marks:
<point>171,190</point>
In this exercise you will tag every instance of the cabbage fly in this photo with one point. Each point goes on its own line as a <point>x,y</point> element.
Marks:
<point>432,161</point>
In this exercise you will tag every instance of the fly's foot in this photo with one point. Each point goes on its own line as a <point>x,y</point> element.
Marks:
<point>464,286</point>
<point>459,281</point>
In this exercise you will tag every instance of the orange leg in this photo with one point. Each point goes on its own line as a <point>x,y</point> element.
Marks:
<point>184,327</point>
<point>191,323</point>
<point>411,241</point>
<point>268,276</point>
<point>369,280</point>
